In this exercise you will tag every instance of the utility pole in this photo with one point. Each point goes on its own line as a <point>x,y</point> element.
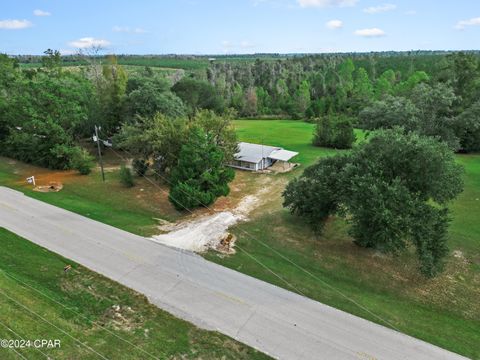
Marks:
<point>99,152</point>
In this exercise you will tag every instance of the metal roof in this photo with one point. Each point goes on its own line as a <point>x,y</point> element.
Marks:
<point>254,153</point>
<point>283,155</point>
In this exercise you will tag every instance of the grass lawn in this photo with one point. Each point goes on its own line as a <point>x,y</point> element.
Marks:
<point>444,311</point>
<point>135,209</point>
<point>84,305</point>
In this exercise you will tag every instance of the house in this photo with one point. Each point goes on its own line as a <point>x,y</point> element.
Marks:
<point>256,157</point>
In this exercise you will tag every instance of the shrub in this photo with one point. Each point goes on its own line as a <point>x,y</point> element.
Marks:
<point>140,166</point>
<point>126,177</point>
<point>334,132</point>
<point>82,161</point>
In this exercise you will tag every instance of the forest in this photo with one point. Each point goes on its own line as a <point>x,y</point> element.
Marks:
<point>420,108</point>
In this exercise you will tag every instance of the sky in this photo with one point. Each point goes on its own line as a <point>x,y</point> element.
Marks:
<point>238,26</point>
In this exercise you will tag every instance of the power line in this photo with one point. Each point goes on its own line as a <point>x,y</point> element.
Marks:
<point>19,336</point>
<point>53,325</point>
<point>155,184</point>
<point>269,247</point>
<point>78,313</point>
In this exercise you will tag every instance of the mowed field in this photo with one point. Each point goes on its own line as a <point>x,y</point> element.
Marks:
<point>330,268</point>
<point>93,317</point>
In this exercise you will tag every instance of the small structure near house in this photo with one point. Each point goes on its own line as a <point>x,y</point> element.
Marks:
<point>255,157</point>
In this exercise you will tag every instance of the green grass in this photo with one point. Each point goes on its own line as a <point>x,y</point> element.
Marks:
<point>444,311</point>
<point>129,209</point>
<point>290,134</point>
<point>32,281</point>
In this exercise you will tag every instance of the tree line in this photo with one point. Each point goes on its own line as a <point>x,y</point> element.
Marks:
<point>393,189</point>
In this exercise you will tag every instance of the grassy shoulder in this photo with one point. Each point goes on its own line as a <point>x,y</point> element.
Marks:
<point>98,314</point>
<point>444,311</point>
<point>134,209</point>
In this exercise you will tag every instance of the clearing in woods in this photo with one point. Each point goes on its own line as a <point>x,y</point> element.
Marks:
<point>391,287</point>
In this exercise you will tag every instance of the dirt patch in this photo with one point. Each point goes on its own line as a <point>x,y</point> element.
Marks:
<point>45,177</point>
<point>53,186</point>
<point>210,231</point>
<point>121,318</point>
<point>282,167</point>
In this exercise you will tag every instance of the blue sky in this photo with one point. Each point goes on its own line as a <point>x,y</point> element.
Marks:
<point>238,26</point>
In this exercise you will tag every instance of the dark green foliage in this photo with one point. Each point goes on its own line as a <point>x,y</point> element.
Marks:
<point>334,132</point>
<point>393,190</point>
<point>149,96</point>
<point>312,199</point>
<point>82,161</point>
<point>468,128</point>
<point>427,110</point>
<point>220,127</point>
<point>42,112</point>
<point>126,177</point>
<point>463,72</point>
<point>388,113</point>
<point>198,95</point>
<point>110,86</point>
<point>200,176</point>
<point>40,142</point>
<point>140,166</point>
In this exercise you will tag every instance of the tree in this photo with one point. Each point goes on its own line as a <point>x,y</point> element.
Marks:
<point>435,112</point>
<point>126,177</point>
<point>404,88</point>
<point>251,102</point>
<point>52,60</point>
<point>362,88</point>
<point>198,95</point>
<point>111,90</point>
<point>200,176</point>
<point>148,99</point>
<point>465,77</point>
<point>44,115</point>
<point>335,131</point>
<point>238,99</point>
<point>302,99</point>
<point>314,195</point>
<point>467,126</point>
<point>263,101</point>
<point>389,112</point>
<point>159,138</point>
<point>384,84</point>
<point>221,128</point>
<point>393,190</point>
<point>428,110</point>
<point>82,161</point>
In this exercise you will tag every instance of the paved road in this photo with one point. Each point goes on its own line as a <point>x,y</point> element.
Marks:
<point>273,320</point>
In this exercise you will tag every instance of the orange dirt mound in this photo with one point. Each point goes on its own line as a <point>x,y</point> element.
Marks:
<point>53,186</point>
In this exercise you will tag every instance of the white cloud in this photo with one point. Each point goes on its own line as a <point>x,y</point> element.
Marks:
<point>39,12</point>
<point>380,8</point>
<point>245,44</point>
<point>11,24</point>
<point>372,32</point>
<point>334,24</point>
<point>127,29</point>
<point>326,3</point>
<point>462,24</point>
<point>88,42</point>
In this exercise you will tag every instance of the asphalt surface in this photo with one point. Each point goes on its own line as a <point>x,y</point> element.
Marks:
<point>273,320</point>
